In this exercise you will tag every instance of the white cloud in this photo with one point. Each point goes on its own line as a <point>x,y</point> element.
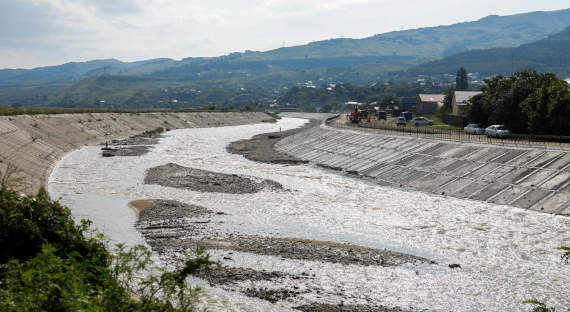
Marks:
<point>47,32</point>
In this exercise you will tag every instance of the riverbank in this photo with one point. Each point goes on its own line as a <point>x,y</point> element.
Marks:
<point>528,178</point>
<point>32,144</point>
<point>262,146</point>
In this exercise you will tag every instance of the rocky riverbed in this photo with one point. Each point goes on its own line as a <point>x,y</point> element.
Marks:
<point>332,243</point>
<point>320,307</point>
<point>136,145</point>
<point>173,175</point>
<point>172,227</point>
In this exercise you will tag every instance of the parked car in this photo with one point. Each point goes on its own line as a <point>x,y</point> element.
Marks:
<point>497,131</point>
<point>474,129</point>
<point>401,121</point>
<point>422,121</point>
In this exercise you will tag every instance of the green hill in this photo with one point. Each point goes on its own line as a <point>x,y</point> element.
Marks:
<point>433,42</point>
<point>394,50</point>
<point>548,55</point>
<point>250,77</point>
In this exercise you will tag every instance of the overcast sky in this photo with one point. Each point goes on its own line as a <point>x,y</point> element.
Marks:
<point>50,32</point>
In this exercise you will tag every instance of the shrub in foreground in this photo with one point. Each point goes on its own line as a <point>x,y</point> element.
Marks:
<point>48,263</point>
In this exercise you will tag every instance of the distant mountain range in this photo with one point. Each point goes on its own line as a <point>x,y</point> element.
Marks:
<point>551,54</point>
<point>265,73</point>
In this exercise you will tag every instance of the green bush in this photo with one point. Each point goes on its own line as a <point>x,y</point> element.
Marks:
<point>29,223</point>
<point>538,306</point>
<point>50,264</point>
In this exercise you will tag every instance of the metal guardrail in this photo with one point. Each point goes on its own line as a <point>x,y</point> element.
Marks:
<point>525,140</point>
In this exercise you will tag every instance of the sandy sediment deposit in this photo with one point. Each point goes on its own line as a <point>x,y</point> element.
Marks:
<point>32,144</point>
<point>174,175</point>
<point>262,146</point>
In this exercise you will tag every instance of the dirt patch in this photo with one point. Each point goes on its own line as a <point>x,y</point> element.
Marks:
<point>173,175</point>
<point>136,145</point>
<point>140,205</point>
<point>294,248</point>
<point>322,307</point>
<point>162,210</point>
<point>261,147</point>
<point>125,151</point>
<point>272,295</point>
<point>228,275</point>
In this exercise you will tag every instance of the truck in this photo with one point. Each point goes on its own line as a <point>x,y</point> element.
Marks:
<point>408,115</point>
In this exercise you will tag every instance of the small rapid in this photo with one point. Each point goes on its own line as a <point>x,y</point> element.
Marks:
<point>506,254</point>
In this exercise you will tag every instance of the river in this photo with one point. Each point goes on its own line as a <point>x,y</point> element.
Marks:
<point>506,254</point>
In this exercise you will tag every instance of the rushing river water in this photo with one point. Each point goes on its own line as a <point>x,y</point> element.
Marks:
<point>506,254</point>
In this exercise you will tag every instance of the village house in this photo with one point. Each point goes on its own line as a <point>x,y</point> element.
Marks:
<point>428,104</point>
<point>461,102</point>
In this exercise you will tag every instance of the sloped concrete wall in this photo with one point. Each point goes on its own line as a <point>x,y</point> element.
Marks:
<point>526,178</point>
<point>32,144</point>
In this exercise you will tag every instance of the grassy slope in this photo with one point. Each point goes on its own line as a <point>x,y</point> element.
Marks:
<point>548,55</point>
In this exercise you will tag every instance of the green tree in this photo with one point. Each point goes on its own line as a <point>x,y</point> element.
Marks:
<point>548,106</point>
<point>526,102</point>
<point>461,83</point>
<point>448,99</point>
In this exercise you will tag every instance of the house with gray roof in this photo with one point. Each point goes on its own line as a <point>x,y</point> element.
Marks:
<point>427,104</point>
<point>461,102</point>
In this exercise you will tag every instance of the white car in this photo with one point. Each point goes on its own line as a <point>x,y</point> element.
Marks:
<point>497,131</point>
<point>474,129</point>
<point>422,121</point>
<point>401,121</point>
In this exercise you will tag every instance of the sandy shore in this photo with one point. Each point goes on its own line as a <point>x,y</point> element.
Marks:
<point>261,147</point>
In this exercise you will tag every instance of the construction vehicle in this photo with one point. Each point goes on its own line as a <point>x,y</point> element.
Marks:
<point>357,115</point>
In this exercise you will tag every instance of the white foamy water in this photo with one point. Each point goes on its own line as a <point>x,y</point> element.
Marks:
<point>506,254</point>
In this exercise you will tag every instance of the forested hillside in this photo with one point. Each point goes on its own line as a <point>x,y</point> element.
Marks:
<point>251,78</point>
<point>548,55</point>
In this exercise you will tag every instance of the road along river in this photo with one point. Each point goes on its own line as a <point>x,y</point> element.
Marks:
<point>506,254</point>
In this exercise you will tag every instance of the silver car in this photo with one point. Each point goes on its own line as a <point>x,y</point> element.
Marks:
<point>497,131</point>
<point>422,121</point>
<point>474,129</point>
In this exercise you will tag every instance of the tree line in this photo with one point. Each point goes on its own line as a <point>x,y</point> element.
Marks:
<point>526,102</point>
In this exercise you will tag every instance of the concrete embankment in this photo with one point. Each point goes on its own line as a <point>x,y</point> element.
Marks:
<point>32,144</point>
<point>536,179</point>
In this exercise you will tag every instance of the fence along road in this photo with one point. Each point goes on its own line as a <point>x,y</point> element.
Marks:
<point>522,140</point>
<point>529,177</point>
